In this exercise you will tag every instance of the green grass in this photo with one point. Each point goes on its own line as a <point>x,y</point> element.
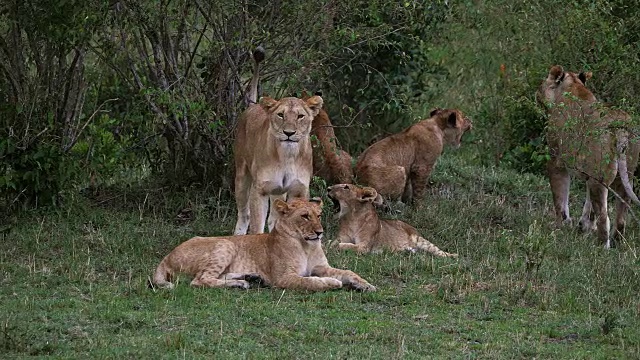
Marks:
<point>73,283</point>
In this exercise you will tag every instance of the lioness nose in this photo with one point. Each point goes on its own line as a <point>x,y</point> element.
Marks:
<point>289,133</point>
<point>319,232</point>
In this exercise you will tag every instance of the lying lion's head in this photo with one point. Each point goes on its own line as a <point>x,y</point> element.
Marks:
<point>353,197</point>
<point>456,124</point>
<point>290,117</point>
<point>300,218</point>
<point>560,82</point>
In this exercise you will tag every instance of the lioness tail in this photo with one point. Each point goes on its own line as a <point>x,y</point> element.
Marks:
<point>426,245</point>
<point>258,56</point>
<point>621,146</point>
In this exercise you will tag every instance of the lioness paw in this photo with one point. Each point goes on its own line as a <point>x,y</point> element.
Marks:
<point>239,284</point>
<point>333,283</point>
<point>362,286</point>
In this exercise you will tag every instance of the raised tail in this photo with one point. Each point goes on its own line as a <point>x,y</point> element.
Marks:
<point>426,245</point>
<point>162,276</point>
<point>621,146</point>
<point>252,94</point>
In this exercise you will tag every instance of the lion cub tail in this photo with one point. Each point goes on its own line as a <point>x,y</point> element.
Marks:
<point>426,245</point>
<point>163,275</point>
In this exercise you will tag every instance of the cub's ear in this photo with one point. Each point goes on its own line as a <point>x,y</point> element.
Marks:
<point>584,76</point>
<point>369,194</point>
<point>319,93</point>
<point>434,112</point>
<point>452,120</point>
<point>315,104</point>
<point>281,206</point>
<point>316,200</point>
<point>556,73</point>
<point>268,103</point>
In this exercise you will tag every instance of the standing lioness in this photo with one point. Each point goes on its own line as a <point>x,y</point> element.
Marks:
<point>289,257</point>
<point>590,141</point>
<point>273,158</point>
<point>363,231</point>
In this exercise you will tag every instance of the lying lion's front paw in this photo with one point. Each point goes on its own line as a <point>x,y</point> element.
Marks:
<point>333,283</point>
<point>362,285</point>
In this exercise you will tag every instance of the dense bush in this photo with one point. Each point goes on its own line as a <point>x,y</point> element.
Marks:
<point>91,88</point>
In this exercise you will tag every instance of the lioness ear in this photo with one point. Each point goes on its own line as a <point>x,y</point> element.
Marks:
<point>281,206</point>
<point>369,194</point>
<point>378,200</point>
<point>584,76</point>
<point>316,200</point>
<point>315,104</point>
<point>452,120</point>
<point>268,103</point>
<point>434,112</point>
<point>556,73</point>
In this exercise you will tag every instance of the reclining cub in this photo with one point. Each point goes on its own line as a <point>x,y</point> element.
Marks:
<point>400,165</point>
<point>362,230</point>
<point>289,257</point>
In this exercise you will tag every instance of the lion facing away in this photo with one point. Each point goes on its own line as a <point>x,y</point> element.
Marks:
<point>272,153</point>
<point>362,230</point>
<point>589,141</point>
<point>289,257</point>
<point>330,162</point>
<point>399,165</point>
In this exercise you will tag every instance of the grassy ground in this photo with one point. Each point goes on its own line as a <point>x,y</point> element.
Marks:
<point>73,283</point>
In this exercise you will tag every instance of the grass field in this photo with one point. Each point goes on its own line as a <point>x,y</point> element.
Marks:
<point>74,283</point>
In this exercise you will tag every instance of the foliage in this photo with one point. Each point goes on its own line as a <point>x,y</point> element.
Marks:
<point>100,87</point>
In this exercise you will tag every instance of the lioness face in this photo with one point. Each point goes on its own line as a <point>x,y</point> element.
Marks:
<point>351,197</point>
<point>300,218</point>
<point>558,82</point>
<point>291,117</point>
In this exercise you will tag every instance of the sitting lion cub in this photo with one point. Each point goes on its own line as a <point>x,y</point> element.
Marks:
<point>400,165</point>
<point>362,230</point>
<point>290,257</point>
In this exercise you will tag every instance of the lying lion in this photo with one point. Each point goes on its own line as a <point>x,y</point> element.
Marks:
<point>400,165</point>
<point>590,141</point>
<point>290,257</point>
<point>363,231</point>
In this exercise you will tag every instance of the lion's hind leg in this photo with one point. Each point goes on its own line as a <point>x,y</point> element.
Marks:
<point>212,270</point>
<point>598,195</point>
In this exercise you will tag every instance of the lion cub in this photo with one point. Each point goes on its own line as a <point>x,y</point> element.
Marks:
<point>400,165</point>
<point>289,257</point>
<point>362,230</point>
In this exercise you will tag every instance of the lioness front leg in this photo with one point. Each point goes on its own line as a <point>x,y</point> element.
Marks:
<point>347,277</point>
<point>419,176</point>
<point>311,283</point>
<point>259,206</point>
<point>559,180</point>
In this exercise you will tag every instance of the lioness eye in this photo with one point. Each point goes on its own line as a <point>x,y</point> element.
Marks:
<point>306,217</point>
<point>280,115</point>
<point>300,116</point>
